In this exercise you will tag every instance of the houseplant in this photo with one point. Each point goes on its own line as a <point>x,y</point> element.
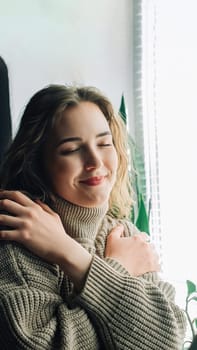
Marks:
<point>191,298</point>
<point>139,213</point>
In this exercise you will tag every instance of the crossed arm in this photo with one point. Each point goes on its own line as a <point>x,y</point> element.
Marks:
<point>130,310</point>
<point>34,224</point>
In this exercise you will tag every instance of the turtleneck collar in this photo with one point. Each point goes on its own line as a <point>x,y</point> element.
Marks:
<point>80,223</point>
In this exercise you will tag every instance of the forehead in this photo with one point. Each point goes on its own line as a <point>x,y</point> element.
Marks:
<point>79,120</point>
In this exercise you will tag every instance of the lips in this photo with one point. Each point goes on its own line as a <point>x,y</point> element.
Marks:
<point>94,181</point>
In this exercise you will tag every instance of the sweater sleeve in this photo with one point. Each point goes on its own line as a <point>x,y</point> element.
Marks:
<point>140,313</point>
<point>137,312</point>
<point>33,315</point>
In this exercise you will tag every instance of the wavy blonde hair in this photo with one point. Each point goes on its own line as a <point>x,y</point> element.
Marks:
<point>23,166</point>
<point>121,198</point>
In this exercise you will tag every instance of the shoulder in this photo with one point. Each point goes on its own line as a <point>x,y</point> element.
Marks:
<point>110,222</point>
<point>106,226</point>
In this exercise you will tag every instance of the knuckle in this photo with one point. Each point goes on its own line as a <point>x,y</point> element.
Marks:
<point>2,218</point>
<point>25,235</point>
<point>4,203</point>
<point>31,213</point>
<point>136,238</point>
<point>3,235</point>
<point>26,225</point>
<point>146,245</point>
<point>16,194</point>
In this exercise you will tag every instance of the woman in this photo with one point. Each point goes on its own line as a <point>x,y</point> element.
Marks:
<point>76,274</point>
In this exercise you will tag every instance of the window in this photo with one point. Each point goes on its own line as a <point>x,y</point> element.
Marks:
<point>165,73</point>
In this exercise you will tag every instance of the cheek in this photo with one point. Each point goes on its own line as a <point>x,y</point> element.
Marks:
<point>63,170</point>
<point>56,170</point>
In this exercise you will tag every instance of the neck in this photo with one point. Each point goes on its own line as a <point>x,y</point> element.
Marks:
<point>80,223</point>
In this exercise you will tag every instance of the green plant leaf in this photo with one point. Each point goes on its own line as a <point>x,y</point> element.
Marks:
<point>137,176</point>
<point>142,222</point>
<point>195,322</point>
<point>122,110</point>
<point>192,297</point>
<point>191,287</point>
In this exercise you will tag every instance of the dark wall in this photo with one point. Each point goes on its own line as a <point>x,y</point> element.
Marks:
<point>5,116</point>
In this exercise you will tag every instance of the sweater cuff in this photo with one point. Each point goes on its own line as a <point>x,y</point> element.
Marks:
<point>117,266</point>
<point>167,289</point>
<point>151,277</point>
<point>103,283</point>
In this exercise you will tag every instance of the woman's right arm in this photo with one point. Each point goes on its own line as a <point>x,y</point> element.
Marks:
<point>137,313</point>
<point>135,304</point>
<point>135,310</point>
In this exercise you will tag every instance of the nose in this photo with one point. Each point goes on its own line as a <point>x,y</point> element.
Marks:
<point>92,160</point>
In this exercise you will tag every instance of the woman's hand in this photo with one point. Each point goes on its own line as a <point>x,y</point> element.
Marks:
<point>34,225</point>
<point>134,253</point>
<point>40,229</point>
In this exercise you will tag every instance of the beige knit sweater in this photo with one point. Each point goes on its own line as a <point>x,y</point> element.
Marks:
<point>39,310</point>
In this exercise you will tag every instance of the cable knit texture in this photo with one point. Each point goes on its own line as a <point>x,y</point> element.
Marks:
<point>40,311</point>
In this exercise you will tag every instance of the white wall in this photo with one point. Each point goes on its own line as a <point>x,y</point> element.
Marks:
<point>58,41</point>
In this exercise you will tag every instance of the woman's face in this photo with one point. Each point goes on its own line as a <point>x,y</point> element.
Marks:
<point>80,158</point>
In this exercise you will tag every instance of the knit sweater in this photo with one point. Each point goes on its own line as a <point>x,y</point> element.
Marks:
<point>39,309</point>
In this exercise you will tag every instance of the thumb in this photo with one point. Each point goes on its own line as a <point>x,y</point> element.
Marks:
<point>116,232</point>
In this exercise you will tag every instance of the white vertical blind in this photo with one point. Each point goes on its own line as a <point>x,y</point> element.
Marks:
<point>149,88</point>
<point>145,90</point>
<point>169,109</point>
<point>138,95</point>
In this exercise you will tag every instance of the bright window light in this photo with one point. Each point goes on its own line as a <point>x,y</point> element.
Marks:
<point>169,90</point>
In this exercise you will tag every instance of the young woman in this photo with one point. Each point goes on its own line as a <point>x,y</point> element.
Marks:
<point>75,273</point>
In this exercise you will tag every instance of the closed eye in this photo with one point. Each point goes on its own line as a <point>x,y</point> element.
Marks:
<point>67,152</point>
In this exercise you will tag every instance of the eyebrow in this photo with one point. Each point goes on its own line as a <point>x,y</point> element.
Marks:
<point>72,139</point>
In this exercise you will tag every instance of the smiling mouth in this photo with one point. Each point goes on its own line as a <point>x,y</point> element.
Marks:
<point>94,181</point>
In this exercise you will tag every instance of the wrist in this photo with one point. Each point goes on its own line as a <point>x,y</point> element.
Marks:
<point>75,263</point>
